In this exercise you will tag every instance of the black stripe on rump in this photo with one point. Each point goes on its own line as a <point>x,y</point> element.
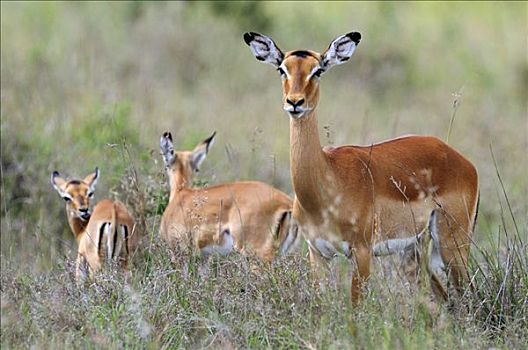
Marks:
<point>281,223</point>
<point>302,53</point>
<point>115,240</point>
<point>100,238</point>
<point>125,229</point>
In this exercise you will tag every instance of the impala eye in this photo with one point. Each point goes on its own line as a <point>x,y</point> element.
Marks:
<point>90,195</point>
<point>66,199</point>
<point>318,73</point>
<point>281,72</point>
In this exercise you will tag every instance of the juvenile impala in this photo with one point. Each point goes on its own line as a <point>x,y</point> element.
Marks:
<point>349,197</point>
<point>107,234</point>
<point>241,215</point>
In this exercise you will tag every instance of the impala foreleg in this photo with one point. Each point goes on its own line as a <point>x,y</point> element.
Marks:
<point>361,273</point>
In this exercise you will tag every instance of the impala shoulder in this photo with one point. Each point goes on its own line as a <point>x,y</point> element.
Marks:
<point>104,203</point>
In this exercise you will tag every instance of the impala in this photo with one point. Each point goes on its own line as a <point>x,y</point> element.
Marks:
<point>348,198</point>
<point>106,234</point>
<point>247,216</point>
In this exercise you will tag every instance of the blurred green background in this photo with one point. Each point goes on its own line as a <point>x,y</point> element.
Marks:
<point>95,84</point>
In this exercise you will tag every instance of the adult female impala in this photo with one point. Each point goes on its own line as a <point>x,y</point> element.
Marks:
<point>106,234</point>
<point>349,197</point>
<point>247,215</point>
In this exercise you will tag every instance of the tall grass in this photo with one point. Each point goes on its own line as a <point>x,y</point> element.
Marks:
<point>500,299</point>
<point>85,85</point>
<point>239,301</point>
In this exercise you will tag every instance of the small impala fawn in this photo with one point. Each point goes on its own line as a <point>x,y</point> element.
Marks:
<point>105,235</point>
<point>247,216</point>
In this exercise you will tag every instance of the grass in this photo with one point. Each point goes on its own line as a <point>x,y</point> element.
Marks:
<point>86,85</point>
<point>239,302</point>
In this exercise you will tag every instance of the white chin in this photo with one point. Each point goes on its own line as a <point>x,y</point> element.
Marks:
<point>296,115</point>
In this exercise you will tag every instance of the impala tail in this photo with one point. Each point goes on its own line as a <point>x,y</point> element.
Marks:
<point>112,245</point>
<point>287,233</point>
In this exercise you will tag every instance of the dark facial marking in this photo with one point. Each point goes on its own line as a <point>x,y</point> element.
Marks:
<point>302,53</point>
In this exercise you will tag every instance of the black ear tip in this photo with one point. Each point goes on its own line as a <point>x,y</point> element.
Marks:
<point>355,36</point>
<point>210,138</point>
<point>248,37</point>
<point>167,135</point>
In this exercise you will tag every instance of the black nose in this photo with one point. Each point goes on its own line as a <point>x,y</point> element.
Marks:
<point>295,104</point>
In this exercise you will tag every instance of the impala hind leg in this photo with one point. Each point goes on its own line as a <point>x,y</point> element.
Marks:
<point>454,248</point>
<point>361,273</point>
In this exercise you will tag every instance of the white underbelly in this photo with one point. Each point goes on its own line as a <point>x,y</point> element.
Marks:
<point>224,248</point>
<point>330,250</point>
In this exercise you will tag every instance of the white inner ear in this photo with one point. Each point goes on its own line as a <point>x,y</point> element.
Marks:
<point>340,50</point>
<point>264,49</point>
<point>60,191</point>
<point>211,143</point>
<point>198,158</point>
<point>94,181</point>
<point>167,151</point>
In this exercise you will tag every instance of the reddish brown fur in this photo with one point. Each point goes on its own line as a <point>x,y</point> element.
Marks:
<point>250,211</point>
<point>86,227</point>
<point>106,211</point>
<point>362,195</point>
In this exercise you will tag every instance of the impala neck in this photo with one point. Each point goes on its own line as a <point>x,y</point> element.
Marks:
<point>309,168</point>
<point>177,182</point>
<point>77,225</point>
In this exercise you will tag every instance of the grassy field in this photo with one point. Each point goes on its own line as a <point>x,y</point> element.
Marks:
<point>96,84</point>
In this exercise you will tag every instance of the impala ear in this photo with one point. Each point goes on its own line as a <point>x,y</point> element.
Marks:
<point>92,179</point>
<point>340,50</point>
<point>58,183</point>
<point>264,49</point>
<point>167,149</point>
<point>200,152</point>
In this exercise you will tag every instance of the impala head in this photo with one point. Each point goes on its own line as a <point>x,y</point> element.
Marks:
<point>301,70</point>
<point>76,193</point>
<point>182,165</point>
